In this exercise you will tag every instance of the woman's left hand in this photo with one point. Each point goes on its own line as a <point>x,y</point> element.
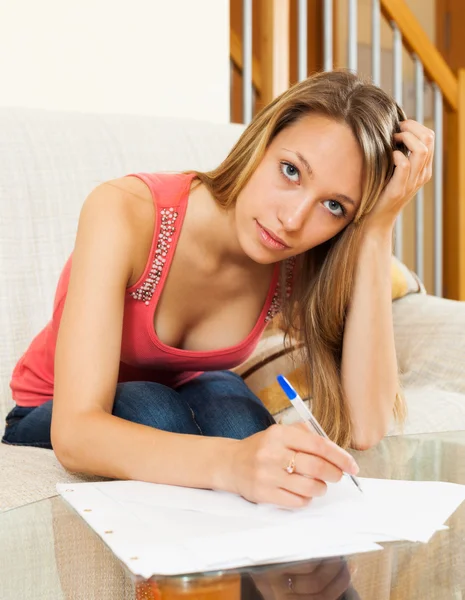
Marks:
<point>409,175</point>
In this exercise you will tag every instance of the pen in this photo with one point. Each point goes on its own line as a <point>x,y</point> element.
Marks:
<point>306,415</point>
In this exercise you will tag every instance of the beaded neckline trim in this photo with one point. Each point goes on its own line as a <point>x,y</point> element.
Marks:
<point>275,305</point>
<point>165,237</point>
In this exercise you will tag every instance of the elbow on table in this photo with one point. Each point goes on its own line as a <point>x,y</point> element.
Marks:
<point>364,440</point>
<point>369,428</point>
<point>66,457</point>
<point>66,450</point>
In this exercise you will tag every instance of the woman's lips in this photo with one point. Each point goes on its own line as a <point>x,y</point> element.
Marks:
<point>269,239</point>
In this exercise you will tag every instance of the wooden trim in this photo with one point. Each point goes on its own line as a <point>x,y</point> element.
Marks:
<point>274,42</point>
<point>449,38</point>
<point>460,199</point>
<point>336,40</point>
<point>416,40</point>
<point>235,48</point>
<point>314,39</point>
<point>440,40</point>
<point>454,198</point>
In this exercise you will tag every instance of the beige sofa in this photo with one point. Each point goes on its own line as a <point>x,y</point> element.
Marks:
<point>49,162</point>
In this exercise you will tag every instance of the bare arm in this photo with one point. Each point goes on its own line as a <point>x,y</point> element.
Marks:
<point>85,435</point>
<point>369,363</point>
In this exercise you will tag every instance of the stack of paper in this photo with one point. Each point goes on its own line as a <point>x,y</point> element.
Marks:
<point>167,530</point>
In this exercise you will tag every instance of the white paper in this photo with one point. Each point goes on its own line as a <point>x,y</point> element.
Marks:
<point>165,530</point>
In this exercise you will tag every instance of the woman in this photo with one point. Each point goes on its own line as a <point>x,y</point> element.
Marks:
<point>174,277</point>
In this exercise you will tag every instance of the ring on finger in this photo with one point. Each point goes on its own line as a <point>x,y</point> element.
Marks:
<point>290,468</point>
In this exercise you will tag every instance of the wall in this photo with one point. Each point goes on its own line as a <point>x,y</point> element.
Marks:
<point>138,56</point>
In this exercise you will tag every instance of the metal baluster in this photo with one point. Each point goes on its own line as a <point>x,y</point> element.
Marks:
<point>302,40</point>
<point>438,187</point>
<point>247,90</point>
<point>419,201</point>
<point>375,42</point>
<point>328,35</point>
<point>397,92</point>
<point>352,50</point>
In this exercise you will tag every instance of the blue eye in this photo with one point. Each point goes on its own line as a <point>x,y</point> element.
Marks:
<point>335,208</point>
<point>290,171</point>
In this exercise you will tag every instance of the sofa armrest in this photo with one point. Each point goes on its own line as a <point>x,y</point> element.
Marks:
<point>430,342</point>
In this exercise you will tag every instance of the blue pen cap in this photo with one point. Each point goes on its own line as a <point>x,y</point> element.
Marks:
<point>287,388</point>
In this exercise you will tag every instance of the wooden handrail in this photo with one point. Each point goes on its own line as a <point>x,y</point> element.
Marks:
<point>236,57</point>
<point>416,40</point>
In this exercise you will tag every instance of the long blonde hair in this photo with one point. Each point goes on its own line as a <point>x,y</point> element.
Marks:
<point>316,310</point>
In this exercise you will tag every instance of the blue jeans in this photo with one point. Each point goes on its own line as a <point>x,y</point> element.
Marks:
<point>218,404</point>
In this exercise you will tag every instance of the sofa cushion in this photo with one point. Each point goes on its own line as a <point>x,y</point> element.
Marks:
<point>49,162</point>
<point>430,343</point>
<point>31,474</point>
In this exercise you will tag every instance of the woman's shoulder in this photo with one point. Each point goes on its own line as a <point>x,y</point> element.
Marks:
<point>119,213</point>
<point>123,210</point>
<point>127,199</point>
<point>146,191</point>
<point>127,195</point>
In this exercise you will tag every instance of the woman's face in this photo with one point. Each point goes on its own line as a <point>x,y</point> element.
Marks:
<point>306,189</point>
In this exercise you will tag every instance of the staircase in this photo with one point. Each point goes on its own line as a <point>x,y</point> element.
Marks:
<point>275,43</point>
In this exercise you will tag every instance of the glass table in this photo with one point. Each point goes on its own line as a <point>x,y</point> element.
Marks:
<point>48,552</point>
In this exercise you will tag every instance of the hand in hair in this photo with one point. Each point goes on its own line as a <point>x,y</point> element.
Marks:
<point>258,466</point>
<point>410,174</point>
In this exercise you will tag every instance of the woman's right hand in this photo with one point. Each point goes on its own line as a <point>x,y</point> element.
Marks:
<point>323,580</point>
<point>258,465</point>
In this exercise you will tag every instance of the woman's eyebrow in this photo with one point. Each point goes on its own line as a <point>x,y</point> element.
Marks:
<point>302,159</point>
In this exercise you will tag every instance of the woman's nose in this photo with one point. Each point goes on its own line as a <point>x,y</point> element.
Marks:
<point>293,214</point>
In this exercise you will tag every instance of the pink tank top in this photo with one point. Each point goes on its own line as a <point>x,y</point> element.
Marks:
<point>143,356</point>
